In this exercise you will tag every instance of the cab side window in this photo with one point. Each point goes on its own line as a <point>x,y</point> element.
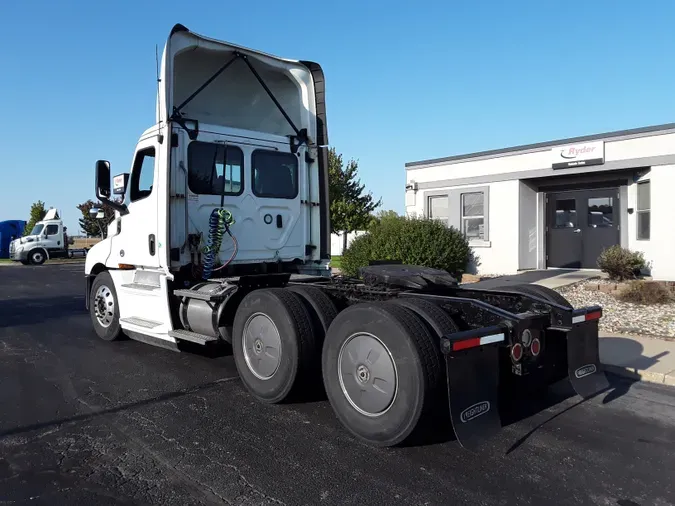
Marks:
<point>142,175</point>
<point>52,230</point>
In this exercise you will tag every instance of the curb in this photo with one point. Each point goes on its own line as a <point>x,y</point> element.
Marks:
<point>639,375</point>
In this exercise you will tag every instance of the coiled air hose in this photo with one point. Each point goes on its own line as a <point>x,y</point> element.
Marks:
<point>219,223</point>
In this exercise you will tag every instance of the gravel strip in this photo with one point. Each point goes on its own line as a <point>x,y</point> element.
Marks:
<point>656,320</point>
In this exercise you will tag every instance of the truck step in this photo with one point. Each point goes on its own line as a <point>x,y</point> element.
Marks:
<point>194,337</point>
<point>140,322</point>
<point>141,286</point>
<point>206,296</point>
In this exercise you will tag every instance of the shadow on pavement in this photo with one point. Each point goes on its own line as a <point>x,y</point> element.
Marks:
<point>627,352</point>
<point>94,413</point>
<point>14,312</point>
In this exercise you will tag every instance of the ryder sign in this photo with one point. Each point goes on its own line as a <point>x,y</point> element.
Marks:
<point>577,155</point>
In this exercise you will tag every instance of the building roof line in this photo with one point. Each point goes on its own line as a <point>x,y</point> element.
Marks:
<point>528,147</point>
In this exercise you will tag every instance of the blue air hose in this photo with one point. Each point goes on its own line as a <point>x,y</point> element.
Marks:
<point>219,223</point>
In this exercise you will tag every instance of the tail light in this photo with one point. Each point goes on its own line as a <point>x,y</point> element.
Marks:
<point>535,347</point>
<point>517,352</point>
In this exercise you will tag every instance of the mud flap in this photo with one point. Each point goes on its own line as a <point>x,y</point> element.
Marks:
<point>583,360</point>
<point>473,384</point>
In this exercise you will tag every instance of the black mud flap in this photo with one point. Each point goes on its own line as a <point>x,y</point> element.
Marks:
<point>583,359</point>
<point>473,390</point>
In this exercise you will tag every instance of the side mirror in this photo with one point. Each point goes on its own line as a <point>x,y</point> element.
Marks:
<point>103,179</point>
<point>103,186</point>
<point>120,183</point>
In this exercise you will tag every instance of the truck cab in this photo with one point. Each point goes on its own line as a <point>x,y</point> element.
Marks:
<point>46,240</point>
<point>231,180</point>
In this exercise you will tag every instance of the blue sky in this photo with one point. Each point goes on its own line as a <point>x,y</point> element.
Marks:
<point>404,82</point>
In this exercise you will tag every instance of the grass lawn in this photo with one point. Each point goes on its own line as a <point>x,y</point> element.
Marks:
<point>336,262</point>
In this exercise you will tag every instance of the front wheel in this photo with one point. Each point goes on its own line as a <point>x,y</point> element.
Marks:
<point>37,257</point>
<point>104,309</point>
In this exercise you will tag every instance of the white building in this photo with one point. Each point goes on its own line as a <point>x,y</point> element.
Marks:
<point>557,204</point>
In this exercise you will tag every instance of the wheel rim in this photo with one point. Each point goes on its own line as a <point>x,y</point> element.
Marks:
<point>367,374</point>
<point>104,306</point>
<point>37,257</point>
<point>261,342</point>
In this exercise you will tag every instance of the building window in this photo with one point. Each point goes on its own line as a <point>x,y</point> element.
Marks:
<point>643,210</point>
<point>600,212</point>
<point>438,208</point>
<point>472,215</point>
<point>565,213</point>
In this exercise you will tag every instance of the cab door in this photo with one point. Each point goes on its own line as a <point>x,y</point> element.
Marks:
<point>136,243</point>
<point>53,238</point>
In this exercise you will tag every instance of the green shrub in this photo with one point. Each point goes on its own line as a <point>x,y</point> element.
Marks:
<point>645,292</point>
<point>621,263</point>
<point>413,241</point>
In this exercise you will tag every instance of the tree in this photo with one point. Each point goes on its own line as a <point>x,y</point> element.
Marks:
<point>350,208</point>
<point>92,226</point>
<point>37,213</point>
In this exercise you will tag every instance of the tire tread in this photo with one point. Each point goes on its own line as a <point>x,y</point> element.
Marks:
<point>429,359</point>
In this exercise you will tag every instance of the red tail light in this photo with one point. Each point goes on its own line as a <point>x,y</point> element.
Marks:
<point>535,347</point>
<point>517,352</point>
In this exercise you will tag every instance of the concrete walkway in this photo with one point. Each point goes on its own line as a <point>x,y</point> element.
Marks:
<point>552,278</point>
<point>564,278</point>
<point>642,358</point>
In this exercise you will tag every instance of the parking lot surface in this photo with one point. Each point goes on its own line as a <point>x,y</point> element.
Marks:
<point>83,421</point>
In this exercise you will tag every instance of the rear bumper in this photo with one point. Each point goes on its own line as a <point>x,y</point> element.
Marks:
<point>475,363</point>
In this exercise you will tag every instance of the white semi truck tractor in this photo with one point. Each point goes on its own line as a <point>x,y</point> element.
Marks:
<point>47,239</point>
<point>222,234</point>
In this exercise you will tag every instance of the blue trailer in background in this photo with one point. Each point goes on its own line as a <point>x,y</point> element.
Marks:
<point>9,230</point>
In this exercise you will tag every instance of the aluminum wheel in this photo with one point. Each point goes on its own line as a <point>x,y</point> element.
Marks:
<point>104,306</point>
<point>37,257</point>
<point>261,343</point>
<point>367,374</point>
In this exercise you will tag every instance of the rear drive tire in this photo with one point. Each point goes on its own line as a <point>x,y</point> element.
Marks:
<point>104,308</point>
<point>37,257</point>
<point>272,343</point>
<point>381,371</point>
<point>322,309</point>
<point>439,324</point>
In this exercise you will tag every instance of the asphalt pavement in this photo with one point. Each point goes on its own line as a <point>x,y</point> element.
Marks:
<point>83,421</point>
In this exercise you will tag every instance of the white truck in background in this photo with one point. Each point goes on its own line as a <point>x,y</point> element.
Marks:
<point>222,235</point>
<point>48,239</point>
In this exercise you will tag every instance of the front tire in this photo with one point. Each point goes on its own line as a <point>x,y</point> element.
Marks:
<point>104,308</point>
<point>37,257</point>
<point>381,372</point>
<point>273,343</point>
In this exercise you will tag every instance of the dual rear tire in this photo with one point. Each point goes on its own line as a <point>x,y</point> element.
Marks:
<point>277,337</point>
<point>379,363</point>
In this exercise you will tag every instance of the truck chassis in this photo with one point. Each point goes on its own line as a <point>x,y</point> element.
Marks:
<point>395,350</point>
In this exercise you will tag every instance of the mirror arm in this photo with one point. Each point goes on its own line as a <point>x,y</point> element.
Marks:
<point>121,208</point>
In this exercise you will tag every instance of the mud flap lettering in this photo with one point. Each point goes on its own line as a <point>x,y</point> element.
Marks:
<point>473,383</point>
<point>583,360</point>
